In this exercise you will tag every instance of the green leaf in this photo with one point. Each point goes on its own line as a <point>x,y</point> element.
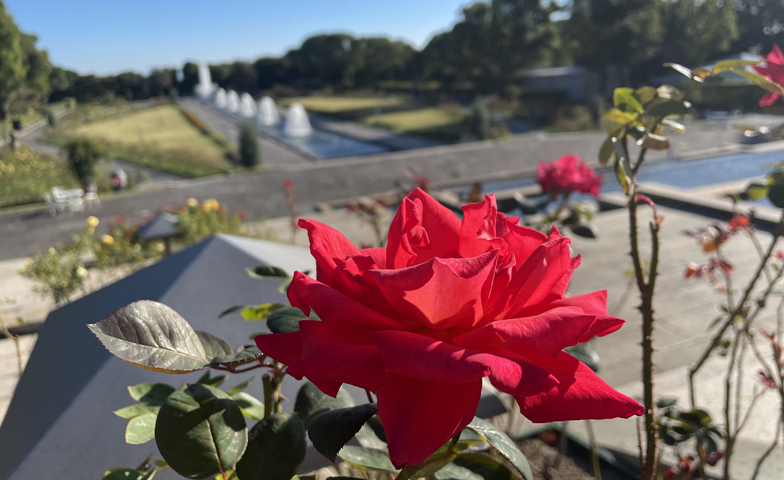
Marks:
<point>367,459</point>
<point>645,94</point>
<point>245,354</point>
<point>683,70</point>
<point>213,346</point>
<point>331,430</point>
<point>154,393</point>
<point>757,191</point>
<point>501,442</point>
<point>260,312</point>
<point>276,449</point>
<point>621,167</point>
<point>367,437</point>
<point>443,456</point>
<point>761,81</point>
<point>664,402</point>
<point>251,406</point>
<point>141,429</point>
<point>207,379</point>
<point>284,286</point>
<point>311,401</point>
<point>136,410</point>
<point>587,230</point>
<point>450,471</point>
<point>286,320</point>
<point>151,336</point>
<point>669,108</point>
<point>266,271</point>
<point>776,195</point>
<point>200,431</point>
<point>606,151</point>
<point>616,116</point>
<point>724,65</point>
<point>242,386</point>
<point>626,100</point>
<point>484,466</point>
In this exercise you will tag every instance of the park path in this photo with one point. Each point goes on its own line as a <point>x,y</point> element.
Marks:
<point>260,194</point>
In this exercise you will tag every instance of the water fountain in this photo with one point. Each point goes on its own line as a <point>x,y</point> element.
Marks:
<point>268,112</point>
<point>232,101</point>
<point>247,106</point>
<point>220,98</point>
<point>205,87</point>
<point>297,122</point>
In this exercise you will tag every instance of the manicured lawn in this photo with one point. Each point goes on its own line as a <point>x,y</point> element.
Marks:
<point>332,105</point>
<point>159,137</point>
<point>415,120</point>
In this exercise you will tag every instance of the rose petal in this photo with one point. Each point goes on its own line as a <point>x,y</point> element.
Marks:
<point>340,354</point>
<point>547,333</point>
<point>378,254</point>
<point>559,290</point>
<point>400,253</point>
<point>442,227</point>
<point>534,280</point>
<point>327,245</point>
<point>478,230</point>
<point>581,394</point>
<point>432,360</point>
<point>419,417</point>
<point>594,303</point>
<point>441,293</point>
<point>285,348</point>
<point>332,306</point>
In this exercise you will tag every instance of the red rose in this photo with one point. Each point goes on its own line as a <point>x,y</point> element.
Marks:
<point>422,321</point>
<point>774,71</point>
<point>568,174</point>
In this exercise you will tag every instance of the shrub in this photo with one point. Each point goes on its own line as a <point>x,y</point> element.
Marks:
<point>479,121</point>
<point>25,176</point>
<point>249,145</point>
<point>51,118</point>
<point>83,155</point>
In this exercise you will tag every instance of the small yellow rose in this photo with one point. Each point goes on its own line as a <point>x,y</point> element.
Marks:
<point>107,240</point>
<point>92,221</point>
<point>81,272</point>
<point>192,202</point>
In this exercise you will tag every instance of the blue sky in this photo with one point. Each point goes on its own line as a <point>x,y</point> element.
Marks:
<point>110,36</point>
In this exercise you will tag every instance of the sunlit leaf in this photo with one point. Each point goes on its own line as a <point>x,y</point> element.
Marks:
<point>654,142</point>
<point>616,116</point>
<point>503,444</point>
<point>367,459</point>
<point>683,70</point>
<point>724,65</point>
<point>626,100</point>
<point>286,319</point>
<point>757,191</point>
<point>673,124</point>
<point>669,108</point>
<point>140,429</point>
<point>152,336</point>
<point>213,346</point>
<point>485,466</point>
<point>645,94</point>
<point>251,406</point>
<point>244,354</point>
<point>761,81</point>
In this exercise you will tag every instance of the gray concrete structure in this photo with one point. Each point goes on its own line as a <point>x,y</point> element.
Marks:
<point>60,422</point>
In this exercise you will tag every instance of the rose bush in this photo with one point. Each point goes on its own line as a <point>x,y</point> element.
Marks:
<point>445,304</point>
<point>568,174</point>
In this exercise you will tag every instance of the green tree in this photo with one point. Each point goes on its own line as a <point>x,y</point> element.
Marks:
<point>270,72</point>
<point>38,67</point>
<point>12,61</point>
<point>250,156</point>
<point>242,77</point>
<point>83,155</point>
<point>380,58</point>
<point>190,78</point>
<point>326,59</point>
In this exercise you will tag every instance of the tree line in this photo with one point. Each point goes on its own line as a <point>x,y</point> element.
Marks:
<point>486,51</point>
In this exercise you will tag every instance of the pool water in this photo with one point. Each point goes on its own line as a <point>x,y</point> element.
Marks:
<point>323,144</point>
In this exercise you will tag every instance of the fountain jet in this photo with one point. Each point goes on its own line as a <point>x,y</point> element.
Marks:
<point>297,122</point>
<point>247,106</point>
<point>220,98</point>
<point>268,112</point>
<point>232,101</point>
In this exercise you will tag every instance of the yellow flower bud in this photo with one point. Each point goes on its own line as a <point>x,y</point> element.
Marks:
<point>107,240</point>
<point>81,272</point>
<point>92,221</point>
